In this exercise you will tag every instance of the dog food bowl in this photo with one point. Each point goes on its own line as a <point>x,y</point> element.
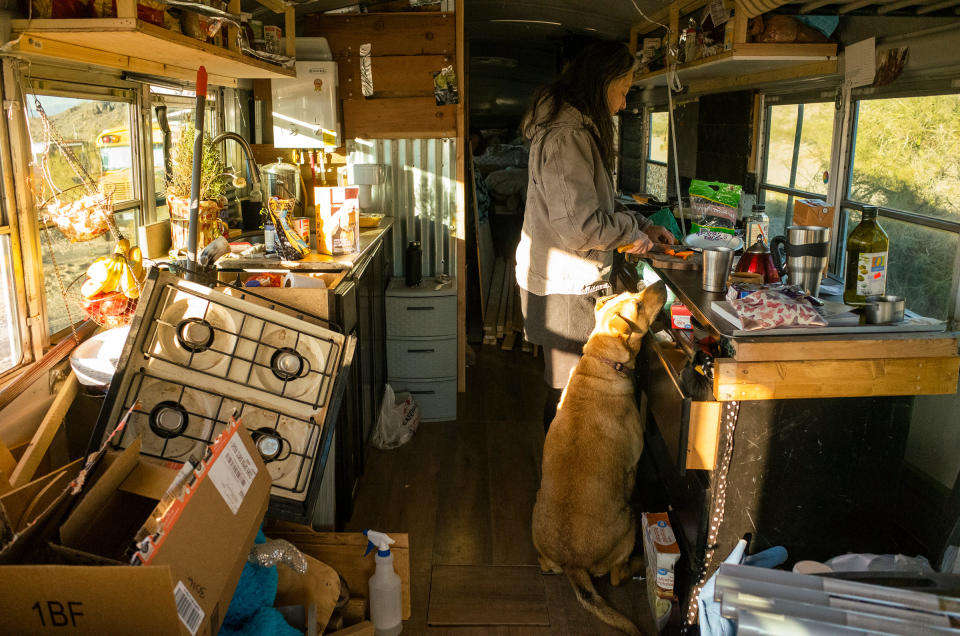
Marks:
<point>883,310</point>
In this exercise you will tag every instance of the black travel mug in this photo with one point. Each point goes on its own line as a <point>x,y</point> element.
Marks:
<point>412,269</point>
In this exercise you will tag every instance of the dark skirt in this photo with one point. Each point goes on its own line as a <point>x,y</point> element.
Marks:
<point>561,324</point>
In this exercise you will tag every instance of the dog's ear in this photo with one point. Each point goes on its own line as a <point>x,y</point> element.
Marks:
<point>603,300</point>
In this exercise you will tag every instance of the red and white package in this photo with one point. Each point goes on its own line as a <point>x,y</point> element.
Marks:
<point>769,308</point>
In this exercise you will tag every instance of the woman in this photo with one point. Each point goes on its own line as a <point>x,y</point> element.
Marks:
<point>572,222</point>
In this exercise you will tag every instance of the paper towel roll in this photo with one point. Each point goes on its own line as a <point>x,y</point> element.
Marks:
<point>301,280</point>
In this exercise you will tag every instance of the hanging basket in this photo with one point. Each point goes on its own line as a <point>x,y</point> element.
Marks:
<point>81,220</point>
<point>109,310</point>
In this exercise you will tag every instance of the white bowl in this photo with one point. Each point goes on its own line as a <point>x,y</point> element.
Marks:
<point>95,360</point>
<point>699,241</point>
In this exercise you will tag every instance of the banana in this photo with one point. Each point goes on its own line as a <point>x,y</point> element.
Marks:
<point>129,284</point>
<point>123,247</point>
<point>135,259</point>
<point>115,270</point>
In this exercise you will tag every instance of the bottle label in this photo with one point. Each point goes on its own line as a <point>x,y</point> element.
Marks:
<point>872,274</point>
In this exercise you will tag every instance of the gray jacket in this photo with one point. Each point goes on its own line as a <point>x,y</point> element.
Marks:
<point>572,223</point>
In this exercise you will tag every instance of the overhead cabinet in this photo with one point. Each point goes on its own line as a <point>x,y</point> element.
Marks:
<point>744,64</point>
<point>131,44</point>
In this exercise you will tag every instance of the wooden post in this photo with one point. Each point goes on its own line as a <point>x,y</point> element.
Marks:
<point>672,52</point>
<point>232,44</point>
<point>739,23</point>
<point>126,9</point>
<point>27,466</point>
<point>290,29</point>
<point>462,155</point>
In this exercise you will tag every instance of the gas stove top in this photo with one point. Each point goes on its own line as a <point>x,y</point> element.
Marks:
<point>196,356</point>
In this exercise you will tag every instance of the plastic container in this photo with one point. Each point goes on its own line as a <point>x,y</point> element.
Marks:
<point>386,611</point>
<point>269,238</point>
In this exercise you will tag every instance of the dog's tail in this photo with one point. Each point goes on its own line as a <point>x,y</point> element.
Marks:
<point>594,603</point>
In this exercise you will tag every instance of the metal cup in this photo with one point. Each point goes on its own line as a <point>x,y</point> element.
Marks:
<point>807,248</point>
<point>716,267</point>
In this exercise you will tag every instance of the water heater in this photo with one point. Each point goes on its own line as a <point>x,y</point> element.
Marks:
<point>305,108</point>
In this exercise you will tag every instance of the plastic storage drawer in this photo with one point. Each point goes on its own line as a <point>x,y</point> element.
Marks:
<point>437,399</point>
<point>422,358</point>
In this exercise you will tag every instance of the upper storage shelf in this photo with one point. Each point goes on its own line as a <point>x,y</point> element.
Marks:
<point>134,45</point>
<point>749,63</point>
<point>744,64</point>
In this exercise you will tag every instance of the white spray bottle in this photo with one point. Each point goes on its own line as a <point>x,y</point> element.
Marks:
<point>385,607</point>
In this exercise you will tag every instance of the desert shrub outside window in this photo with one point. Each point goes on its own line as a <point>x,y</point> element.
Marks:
<point>905,159</point>
<point>799,140</point>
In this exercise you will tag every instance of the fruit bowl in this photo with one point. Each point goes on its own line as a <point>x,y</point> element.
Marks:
<point>107,309</point>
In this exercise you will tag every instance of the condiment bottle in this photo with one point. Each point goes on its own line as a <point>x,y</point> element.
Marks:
<point>867,250</point>
<point>757,224</point>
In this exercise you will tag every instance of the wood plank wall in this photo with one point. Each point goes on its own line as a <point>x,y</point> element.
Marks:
<point>406,50</point>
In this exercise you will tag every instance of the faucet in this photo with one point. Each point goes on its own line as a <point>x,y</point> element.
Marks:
<point>251,162</point>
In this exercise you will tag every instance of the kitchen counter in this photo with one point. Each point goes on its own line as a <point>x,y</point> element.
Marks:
<point>821,362</point>
<point>314,262</point>
<point>801,443</point>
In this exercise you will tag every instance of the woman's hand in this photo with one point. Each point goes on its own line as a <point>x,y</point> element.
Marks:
<point>641,246</point>
<point>660,234</point>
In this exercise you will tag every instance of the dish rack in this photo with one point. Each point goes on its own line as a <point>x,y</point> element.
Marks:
<point>195,356</point>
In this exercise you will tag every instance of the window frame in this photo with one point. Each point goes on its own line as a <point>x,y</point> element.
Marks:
<point>648,133</point>
<point>767,104</point>
<point>841,168</point>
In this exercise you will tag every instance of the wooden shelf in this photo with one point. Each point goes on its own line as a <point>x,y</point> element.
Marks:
<point>134,45</point>
<point>751,63</point>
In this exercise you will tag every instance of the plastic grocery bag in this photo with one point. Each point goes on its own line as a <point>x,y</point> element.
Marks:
<point>399,419</point>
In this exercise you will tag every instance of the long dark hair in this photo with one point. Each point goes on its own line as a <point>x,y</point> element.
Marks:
<point>583,84</point>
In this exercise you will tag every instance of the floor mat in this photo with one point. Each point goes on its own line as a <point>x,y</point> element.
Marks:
<point>487,595</point>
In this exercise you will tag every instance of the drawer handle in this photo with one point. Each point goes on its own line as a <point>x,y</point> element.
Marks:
<point>421,350</point>
<point>419,308</point>
<point>422,392</point>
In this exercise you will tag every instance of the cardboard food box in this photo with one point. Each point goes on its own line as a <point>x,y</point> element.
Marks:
<point>812,212</point>
<point>132,545</point>
<point>661,550</point>
<point>338,219</point>
<point>680,316</point>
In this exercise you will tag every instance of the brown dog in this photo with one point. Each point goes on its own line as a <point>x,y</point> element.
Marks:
<point>582,521</point>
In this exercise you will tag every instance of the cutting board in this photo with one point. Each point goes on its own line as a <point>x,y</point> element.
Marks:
<point>664,261</point>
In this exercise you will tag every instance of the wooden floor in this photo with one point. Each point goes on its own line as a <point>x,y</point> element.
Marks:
<point>464,493</point>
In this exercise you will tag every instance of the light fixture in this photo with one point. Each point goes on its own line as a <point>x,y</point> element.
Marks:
<point>547,22</point>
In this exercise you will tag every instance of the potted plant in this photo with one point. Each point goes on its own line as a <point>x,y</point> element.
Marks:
<point>213,182</point>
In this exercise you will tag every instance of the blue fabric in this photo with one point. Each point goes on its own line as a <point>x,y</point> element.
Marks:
<point>825,24</point>
<point>711,622</point>
<point>251,610</point>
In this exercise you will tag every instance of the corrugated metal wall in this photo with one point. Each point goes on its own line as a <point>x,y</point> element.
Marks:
<point>419,191</point>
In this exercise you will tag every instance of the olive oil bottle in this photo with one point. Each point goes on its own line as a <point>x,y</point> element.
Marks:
<point>867,249</point>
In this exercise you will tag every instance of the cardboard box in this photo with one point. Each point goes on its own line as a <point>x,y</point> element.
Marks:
<point>338,219</point>
<point>71,570</point>
<point>812,212</point>
<point>319,302</point>
<point>662,551</point>
<point>680,316</point>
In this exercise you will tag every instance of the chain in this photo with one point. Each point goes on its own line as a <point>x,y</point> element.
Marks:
<point>63,290</point>
<point>718,503</point>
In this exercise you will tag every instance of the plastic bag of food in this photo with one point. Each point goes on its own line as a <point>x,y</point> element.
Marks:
<point>772,308</point>
<point>715,206</point>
